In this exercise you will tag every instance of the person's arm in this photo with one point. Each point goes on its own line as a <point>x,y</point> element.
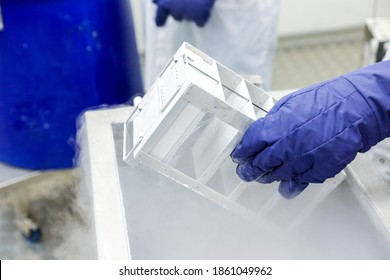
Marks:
<point>197,11</point>
<point>312,134</point>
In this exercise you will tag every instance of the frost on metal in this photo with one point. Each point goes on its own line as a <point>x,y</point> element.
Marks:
<point>189,122</point>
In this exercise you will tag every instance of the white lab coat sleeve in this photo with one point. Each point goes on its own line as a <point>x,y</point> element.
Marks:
<point>240,34</point>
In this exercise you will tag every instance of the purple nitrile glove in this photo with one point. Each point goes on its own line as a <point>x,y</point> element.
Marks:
<point>312,134</point>
<point>197,11</point>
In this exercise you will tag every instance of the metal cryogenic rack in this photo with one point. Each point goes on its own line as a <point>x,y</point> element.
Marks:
<point>189,122</point>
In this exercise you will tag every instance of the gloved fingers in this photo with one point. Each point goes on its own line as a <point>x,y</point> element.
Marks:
<point>201,21</point>
<point>252,143</point>
<point>161,15</point>
<point>177,17</point>
<point>178,11</point>
<point>202,18</point>
<point>247,172</point>
<point>279,167</point>
<point>291,188</point>
<point>284,172</point>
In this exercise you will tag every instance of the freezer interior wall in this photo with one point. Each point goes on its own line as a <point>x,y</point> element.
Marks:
<point>168,221</point>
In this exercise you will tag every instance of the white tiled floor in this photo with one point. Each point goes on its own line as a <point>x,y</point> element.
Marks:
<point>304,60</point>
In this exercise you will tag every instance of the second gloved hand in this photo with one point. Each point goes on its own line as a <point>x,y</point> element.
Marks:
<point>312,134</point>
<point>197,11</point>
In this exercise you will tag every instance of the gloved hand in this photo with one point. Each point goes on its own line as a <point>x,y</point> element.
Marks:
<point>197,11</point>
<point>312,134</point>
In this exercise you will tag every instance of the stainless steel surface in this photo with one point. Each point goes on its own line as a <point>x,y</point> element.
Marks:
<point>372,190</point>
<point>378,28</point>
<point>377,37</point>
<point>101,195</point>
<point>156,218</point>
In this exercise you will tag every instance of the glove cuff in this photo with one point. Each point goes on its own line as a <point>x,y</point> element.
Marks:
<point>373,83</point>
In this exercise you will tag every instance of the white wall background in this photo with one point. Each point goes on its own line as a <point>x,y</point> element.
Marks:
<point>303,16</point>
<point>309,16</point>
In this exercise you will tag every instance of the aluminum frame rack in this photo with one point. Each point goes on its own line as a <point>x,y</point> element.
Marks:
<point>188,123</point>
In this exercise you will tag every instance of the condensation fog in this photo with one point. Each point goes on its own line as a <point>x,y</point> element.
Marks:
<point>165,220</point>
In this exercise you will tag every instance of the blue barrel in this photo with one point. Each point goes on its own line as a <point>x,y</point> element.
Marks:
<point>57,58</point>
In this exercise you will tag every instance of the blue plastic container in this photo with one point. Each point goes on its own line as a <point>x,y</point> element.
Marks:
<point>57,58</point>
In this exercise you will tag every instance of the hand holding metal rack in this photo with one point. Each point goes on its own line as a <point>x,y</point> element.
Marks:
<point>189,122</point>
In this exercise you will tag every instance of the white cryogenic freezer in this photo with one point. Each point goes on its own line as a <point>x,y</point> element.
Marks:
<point>165,187</point>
